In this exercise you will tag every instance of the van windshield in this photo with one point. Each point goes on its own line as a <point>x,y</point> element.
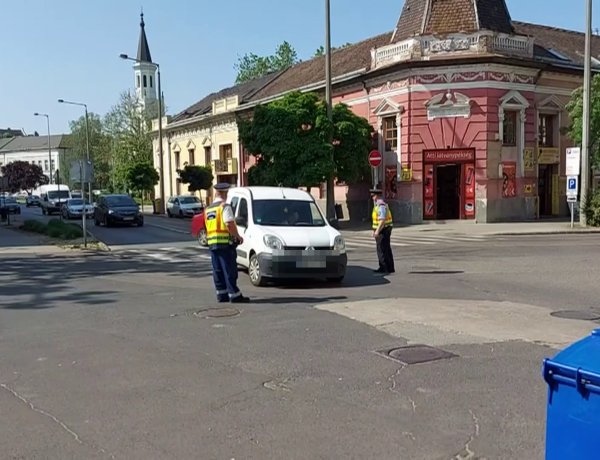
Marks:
<point>287,213</point>
<point>58,194</point>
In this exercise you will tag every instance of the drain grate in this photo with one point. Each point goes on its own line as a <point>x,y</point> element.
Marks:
<point>584,315</point>
<point>436,272</point>
<point>214,313</point>
<point>416,354</point>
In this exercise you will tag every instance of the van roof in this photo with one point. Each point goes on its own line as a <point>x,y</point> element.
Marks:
<point>276,193</point>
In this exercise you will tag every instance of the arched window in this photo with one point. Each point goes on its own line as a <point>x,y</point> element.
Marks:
<point>138,81</point>
<point>145,82</point>
<point>150,81</point>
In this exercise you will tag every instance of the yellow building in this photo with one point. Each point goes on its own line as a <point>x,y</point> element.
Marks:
<point>206,134</point>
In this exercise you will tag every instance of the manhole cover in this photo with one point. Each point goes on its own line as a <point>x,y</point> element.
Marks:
<point>216,313</point>
<point>585,315</point>
<point>436,272</point>
<point>416,354</point>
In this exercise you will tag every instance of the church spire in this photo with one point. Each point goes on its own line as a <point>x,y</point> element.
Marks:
<point>143,54</point>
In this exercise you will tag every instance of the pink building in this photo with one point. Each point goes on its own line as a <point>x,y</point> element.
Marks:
<point>469,107</point>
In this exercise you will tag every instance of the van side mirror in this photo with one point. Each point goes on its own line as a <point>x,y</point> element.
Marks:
<point>241,221</point>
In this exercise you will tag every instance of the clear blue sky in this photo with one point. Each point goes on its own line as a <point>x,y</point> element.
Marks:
<point>69,49</point>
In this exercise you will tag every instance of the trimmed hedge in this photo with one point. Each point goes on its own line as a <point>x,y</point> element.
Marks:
<point>591,208</point>
<point>55,229</point>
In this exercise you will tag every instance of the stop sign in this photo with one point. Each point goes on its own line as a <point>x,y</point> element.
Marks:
<point>375,158</point>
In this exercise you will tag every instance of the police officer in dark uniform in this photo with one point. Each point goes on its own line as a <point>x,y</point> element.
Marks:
<point>382,224</point>
<point>223,237</point>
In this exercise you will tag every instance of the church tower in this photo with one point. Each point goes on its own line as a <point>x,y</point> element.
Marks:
<point>144,70</point>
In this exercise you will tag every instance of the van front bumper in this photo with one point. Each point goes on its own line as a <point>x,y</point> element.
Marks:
<point>303,264</point>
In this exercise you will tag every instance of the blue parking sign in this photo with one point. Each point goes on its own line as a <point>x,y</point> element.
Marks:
<point>572,186</point>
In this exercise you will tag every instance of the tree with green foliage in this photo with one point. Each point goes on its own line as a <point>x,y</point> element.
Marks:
<point>128,124</point>
<point>142,177</point>
<point>100,150</point>
<point>321,49</point>
<point>575,110</point>
<point>22,175</point>
<point>196,177</point>
<point>290,139</point>
<point>251,66</point>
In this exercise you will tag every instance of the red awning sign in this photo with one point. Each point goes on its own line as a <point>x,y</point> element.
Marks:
<point>375,158</point>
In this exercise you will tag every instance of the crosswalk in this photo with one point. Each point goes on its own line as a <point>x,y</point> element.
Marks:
<point>357,242</point>
<point>365,240</point>
<point>173,255</point>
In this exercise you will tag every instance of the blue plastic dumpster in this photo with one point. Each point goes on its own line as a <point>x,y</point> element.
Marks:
<point>573,414</point>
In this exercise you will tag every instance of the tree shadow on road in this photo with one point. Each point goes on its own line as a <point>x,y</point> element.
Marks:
<point>48,281</point>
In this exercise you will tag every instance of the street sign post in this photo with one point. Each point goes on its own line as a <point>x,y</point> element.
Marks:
<point>375,158</point>
<point>573,161</point>
<point>572,191</point>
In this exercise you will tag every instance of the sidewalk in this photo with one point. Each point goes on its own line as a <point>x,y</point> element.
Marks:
<point>466,227</point>
<point>13,240</point>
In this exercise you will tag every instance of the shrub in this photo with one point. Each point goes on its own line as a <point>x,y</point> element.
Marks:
<point>55,229</point>
<point>591,208</point>
<point>34,226</point>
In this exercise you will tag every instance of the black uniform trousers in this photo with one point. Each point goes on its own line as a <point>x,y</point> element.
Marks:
<point>225,272</point>
<point>384,250</point>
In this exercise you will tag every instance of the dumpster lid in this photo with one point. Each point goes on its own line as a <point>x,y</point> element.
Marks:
<point>584,354</point>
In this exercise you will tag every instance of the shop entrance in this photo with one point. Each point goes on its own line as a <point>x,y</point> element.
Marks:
<point>449,184</point>
<point>546,192</point>
<point>447,193</point>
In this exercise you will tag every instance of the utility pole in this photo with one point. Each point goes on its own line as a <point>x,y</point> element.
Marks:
<point>330,197</point>
<point>585,138</point>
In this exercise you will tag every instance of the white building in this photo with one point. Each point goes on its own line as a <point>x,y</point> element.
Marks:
<point>34,149</point>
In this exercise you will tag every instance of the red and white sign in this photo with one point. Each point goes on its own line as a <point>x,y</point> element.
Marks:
<point>442,156</point>
<point>375,158</point>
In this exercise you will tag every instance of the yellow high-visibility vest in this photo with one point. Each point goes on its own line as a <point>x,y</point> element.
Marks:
<point>389,222</point>
<point>217,233</point>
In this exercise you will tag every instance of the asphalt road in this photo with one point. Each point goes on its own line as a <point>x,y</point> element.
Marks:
<point>111,355</point>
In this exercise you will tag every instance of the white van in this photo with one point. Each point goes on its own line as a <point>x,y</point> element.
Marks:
<point>285,236</point>
<point>52,197</point>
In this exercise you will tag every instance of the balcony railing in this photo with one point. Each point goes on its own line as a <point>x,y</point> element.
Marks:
<point>484,42</point>
<point>228,166</point>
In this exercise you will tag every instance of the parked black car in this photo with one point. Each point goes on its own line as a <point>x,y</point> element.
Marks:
<point>9,205</point>
<point>117,209</point>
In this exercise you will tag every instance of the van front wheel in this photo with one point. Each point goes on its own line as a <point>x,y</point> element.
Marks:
<point>254,272</point>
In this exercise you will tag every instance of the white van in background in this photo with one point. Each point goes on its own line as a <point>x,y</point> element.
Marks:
<point>52,197</point>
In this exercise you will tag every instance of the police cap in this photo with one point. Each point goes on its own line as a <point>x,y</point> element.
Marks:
<point>375,191</point>
<point>222,186</point>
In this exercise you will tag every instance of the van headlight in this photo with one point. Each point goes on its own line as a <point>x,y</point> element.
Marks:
<point>272,242</point>
<point>339,244</point>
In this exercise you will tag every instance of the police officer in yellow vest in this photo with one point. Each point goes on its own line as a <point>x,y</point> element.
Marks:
<point>382,232</point>
<point>222,237</point>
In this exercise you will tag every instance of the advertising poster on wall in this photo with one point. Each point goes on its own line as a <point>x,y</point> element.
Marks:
<point>428,187</point>
<point>391,182</point>
<point>469,182</point>
<point>509,179</point>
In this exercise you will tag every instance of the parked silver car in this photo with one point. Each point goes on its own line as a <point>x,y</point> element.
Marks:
<point>184,206</point>
<point>73,209</point>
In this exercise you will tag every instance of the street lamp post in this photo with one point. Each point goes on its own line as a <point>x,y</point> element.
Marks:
<point>585,138</point>
<point>81,178</point>
<point>160,133</point>
<point>36,114</point>
<point>330,196</point>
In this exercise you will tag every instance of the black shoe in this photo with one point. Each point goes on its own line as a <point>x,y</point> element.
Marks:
<point>391,271</point>
<point>240,299</point>
<point>223,300</point>
<point>379,270</point>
